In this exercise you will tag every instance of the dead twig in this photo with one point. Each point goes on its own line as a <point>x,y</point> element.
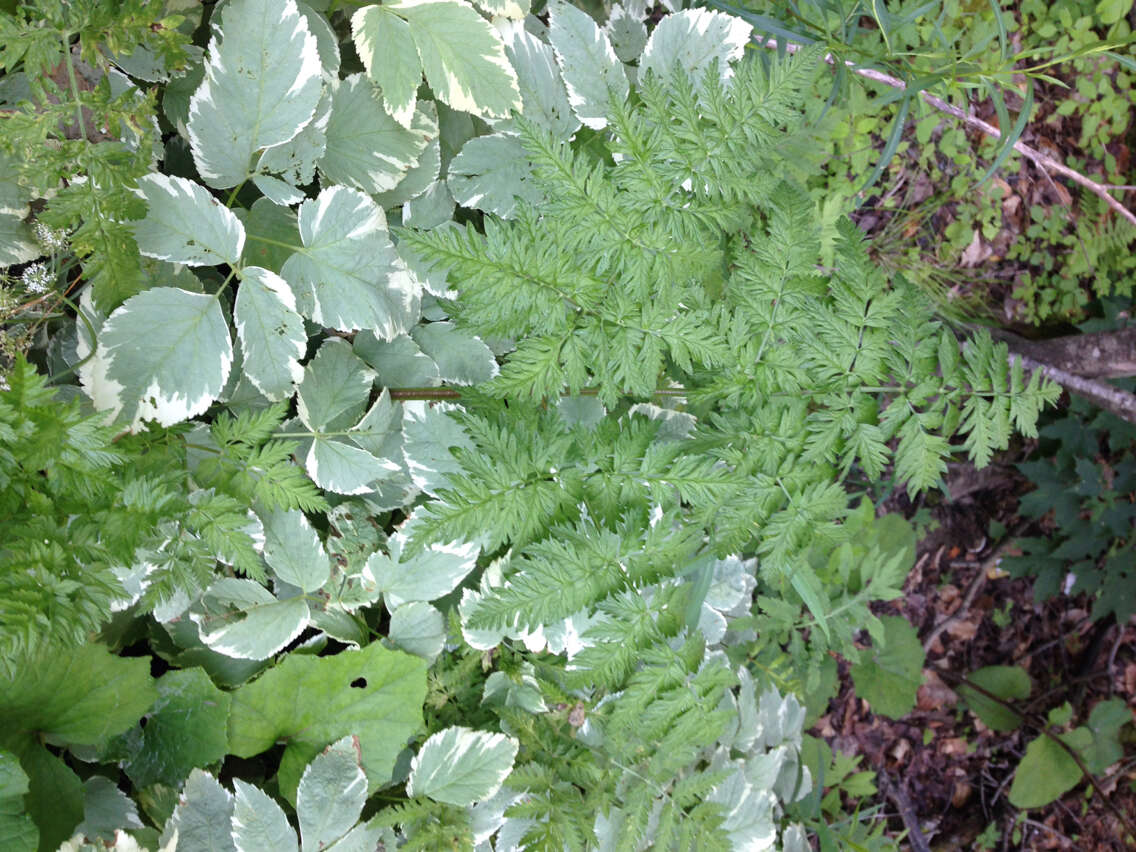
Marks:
<point>1042,161</point>
<point>906,812</point>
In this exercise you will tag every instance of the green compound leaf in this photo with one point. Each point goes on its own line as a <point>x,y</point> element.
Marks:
<point>695,40</point>
<point>1046,771</point>
<point>203,816</point>
<point>366,147</point>
<point>293,550</point>
<point>460,766</point>
<point>168,377</point>
<point>890,679</point>
<point>184,223</point>
<point>348,275</point>
<point>1008,683</point>
<point>262,84</point>
<point>492,173</point>
<point>462,56</point>
<point>309,702</point>
<point>81,697</point>
<point>186,728</point>
<point>331,794</point>
<point>386,46</point>
<point>259,824</point>
<point>272,334</point>
<point>242,619</point>
<point>17,831</point>
<point>1105,722</point>
<point>592,72</point>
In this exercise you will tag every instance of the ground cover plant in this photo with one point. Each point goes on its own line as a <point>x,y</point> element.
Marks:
<point>470,424</point>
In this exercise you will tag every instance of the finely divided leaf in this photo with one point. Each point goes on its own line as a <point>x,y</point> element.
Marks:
<point>386,46</point>
<point>462,56</point>
<point>592,73</point>
<point>272,334</point>
<point>695,40</point>
<point>348,275</point>
<point>185,224</point>
<point>460,766</point>
<point>168,377</point>
<point>262,83</point>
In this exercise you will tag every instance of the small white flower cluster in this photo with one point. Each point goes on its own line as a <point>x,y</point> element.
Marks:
<point>37,278</point>
<point>49,238</point>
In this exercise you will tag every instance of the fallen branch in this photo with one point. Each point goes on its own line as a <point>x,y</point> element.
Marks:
<point>1095,355</point>
<point>1043,161</point>
<point>1113,399</point>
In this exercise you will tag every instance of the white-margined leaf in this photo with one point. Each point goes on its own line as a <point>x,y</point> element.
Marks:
<point>462,358</point>
<point>16,242</point>
<point>432,208</point>
<point>293,550</point>
<point>492,173</point>
<point>278,191</point>
<point>167,376</point>
<point>259,824</point>
<point>203,816</point>
<point>693,40</point>
<point>262,83</point>
<point>417,180</point>
<point>327,42</point>
<point>335,387</point>
<point>418,629</point>
<point>240,618</point>
<point>542,89</point>
<point>398,363</point>
<point>593,74</point>
<point>513,9</point>
<point>272,334</point>
<point>366,148</point>
<point>295,161</point>
<point>462,56</point>
<point>331,794</point>
<point>428,433</point>
<point>185,224</point>
<point>627,30</point>
<point>460,766</point>
<point>384,43</point>
<point>431,574</point>
<point>348,275</point>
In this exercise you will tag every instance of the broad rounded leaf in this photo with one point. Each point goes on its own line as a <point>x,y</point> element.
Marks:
<point>16,242</point>
<point>542,90</point>
<point>384,43</point>
<point>272,235</point>
<point>186,728</point>
<point>81,697</point>
<point>335,387</point>
<point>460,766</point>
<point>259,824</point>
<point>399,363</point>
<point>331,794</point>
<point>492,173</point>
<point>427,576</point>
<point>309,702</point>
<point>418,629</point>
<point>366,147</point>
<point>891,677</point>
<point>293,550</point>
<point>592,73</point>
<point>1046,771</point>
<point>262,83</point>
<point>462,56</point>
<point>348,275</point>
<point>17,831</point>
<point>184,223</point>
<point>694,40</point>
<point>168,377</point>
<point>272,334</point>
<point>1006,682</point>
<point>295,161</point>
<point>242,619</point>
